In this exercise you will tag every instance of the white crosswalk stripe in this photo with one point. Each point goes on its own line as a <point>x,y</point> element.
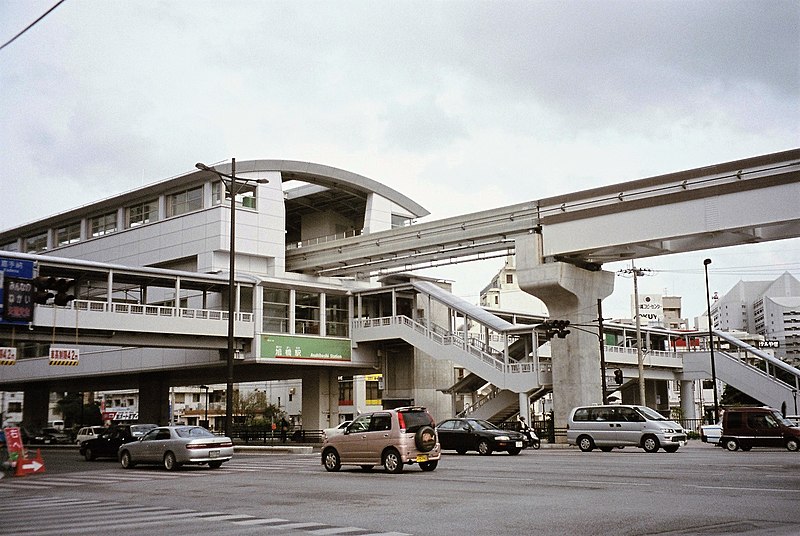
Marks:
<point>23,518</point>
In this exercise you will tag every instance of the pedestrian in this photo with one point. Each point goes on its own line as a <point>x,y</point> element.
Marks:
<point>284,429</point>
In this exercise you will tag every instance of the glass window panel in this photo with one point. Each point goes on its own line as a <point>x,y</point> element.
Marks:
<point>68,234</point>
<point>337,320</point>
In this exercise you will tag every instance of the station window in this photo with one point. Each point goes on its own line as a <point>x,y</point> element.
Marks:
<point>69,234</point>
<point>276,310</point>
<point>336,316</point>
<point>36,243</point>
<point>103,225</point>
<point>142,213</point>
<point>11,246</point>
<point>306,312</point>
<point>245,194</point>
<point>186,201</point>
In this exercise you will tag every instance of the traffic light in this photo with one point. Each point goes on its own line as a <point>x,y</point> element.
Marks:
<point>554,327</point>
<point>62,287</point>
<point>41,294</point>
<point>618,376</point>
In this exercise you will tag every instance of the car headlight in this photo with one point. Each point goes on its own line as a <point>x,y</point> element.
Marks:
<point>502,438</point>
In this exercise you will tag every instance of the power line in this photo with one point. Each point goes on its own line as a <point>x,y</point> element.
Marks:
<point>31,25</point>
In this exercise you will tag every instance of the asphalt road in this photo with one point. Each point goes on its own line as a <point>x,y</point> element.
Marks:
<point>699,490</point>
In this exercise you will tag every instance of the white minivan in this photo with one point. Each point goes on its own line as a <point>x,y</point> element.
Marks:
<point>610,426</point>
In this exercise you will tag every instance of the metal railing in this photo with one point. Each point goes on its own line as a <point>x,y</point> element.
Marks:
<point>155,310</point>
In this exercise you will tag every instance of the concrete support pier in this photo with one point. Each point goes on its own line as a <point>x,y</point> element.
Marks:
<point>570,293</point>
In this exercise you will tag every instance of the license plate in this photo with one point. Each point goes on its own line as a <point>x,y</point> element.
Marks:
<point>519,444</point>
<point>422,458</point>
<point>213,453</point>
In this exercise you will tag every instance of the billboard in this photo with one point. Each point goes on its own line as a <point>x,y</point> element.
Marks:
<point>16,291</point>
<point>651,309</point>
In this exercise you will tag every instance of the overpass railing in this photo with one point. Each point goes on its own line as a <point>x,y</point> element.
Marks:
<point>747,354</point>
<point>442,336</point>
<point>155,310</point>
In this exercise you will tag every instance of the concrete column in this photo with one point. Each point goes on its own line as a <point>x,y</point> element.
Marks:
<point>688,407</point>
<point>570,293</point>
<point>154,398</point>
<point>320,398</point>
<point>35,405</point>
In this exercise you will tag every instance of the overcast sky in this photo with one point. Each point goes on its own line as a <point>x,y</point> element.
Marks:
<point>462,106</point>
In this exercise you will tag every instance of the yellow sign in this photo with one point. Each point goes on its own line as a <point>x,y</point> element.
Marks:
<point>64,356</point>
<point>8,356</point>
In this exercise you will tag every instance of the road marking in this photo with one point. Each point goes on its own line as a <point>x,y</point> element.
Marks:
<point>735,488</point>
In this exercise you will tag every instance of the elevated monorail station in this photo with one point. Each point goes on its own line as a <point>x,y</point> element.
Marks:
<point>324,286</point>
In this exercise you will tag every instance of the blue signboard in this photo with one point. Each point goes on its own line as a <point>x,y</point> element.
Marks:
<point>16,291</point>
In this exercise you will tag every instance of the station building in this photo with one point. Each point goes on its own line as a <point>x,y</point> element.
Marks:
<point>181,226</point>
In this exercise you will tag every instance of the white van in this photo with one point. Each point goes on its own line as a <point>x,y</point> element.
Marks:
<point>57,424</point>
<point>607,427</point>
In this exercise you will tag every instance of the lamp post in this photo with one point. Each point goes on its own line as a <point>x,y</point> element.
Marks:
<point>232,186</point>
<point>206,412</point>
<point>706,262</point>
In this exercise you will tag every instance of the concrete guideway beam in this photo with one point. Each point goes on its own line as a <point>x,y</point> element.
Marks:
<point>570,293</point>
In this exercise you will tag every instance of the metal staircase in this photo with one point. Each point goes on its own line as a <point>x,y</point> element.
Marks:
<point>748,369</point>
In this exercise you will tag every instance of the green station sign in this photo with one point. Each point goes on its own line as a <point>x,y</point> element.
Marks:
<point>293,347</point>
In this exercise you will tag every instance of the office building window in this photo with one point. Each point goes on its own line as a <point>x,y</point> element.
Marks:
<point>276,310</point>
<point>102,225</point>
<point>142,213</point>
<point>183,202</point>
<point>245,194</point>
<point>68,234</point>
<point>36,243</point>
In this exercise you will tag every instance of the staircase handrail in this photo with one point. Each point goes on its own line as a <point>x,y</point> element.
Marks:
<point>755,352</point>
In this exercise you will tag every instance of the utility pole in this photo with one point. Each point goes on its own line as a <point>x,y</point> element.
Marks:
<point>601,336</point>
<point>636,272</point>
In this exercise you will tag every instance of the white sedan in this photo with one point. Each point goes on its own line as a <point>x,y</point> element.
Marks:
<point>710,433</point>
<point>173,446</point>
<point>336,430</point>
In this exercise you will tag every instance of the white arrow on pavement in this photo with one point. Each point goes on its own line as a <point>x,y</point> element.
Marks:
<point>33,465</point>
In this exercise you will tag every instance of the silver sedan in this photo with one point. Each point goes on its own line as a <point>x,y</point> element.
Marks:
<point>174,446</point>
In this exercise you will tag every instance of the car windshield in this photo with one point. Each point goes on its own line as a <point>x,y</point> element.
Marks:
<point>194,431</point>
<point>651,414</point>
<point>478,424</point>
<point>781,419</point>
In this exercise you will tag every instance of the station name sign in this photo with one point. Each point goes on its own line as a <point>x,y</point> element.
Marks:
<point>287,346</point>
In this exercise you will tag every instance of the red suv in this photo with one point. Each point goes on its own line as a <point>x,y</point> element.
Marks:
<point>391,438</point>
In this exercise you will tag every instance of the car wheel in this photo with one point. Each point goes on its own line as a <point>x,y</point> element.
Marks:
<point>792,444</point>
<point>170,463</point>
<point>215,464</point>
<point>331,461</point>
<point>429,466</point>
<point>671,448</point>
<point>514,451</point>
<point>392,462</point>
<point>88,455</point>
<point>126,461</point>
<point>732,444</point>
<point>483,448</point>
<point>585,443</point>
<point>650,444</point>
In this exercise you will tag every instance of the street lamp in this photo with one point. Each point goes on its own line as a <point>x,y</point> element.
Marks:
<point>706,262</point>
<point>232,185</point>
<point>206,417</point>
